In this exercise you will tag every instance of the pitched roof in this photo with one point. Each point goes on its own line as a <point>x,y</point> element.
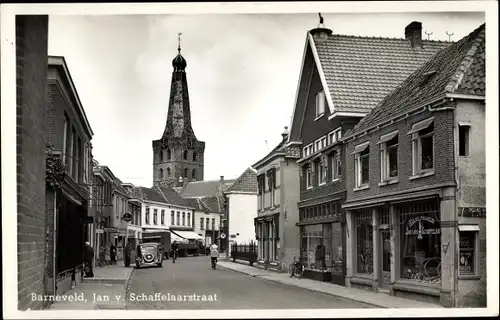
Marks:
<point>361,71</point>
<point>459,68</point>
<point>279,148</point>
<point>205,204</point>
<point>171,196</point>
<point>203,188</point>
<point>147,194</point>
<point>246,183</point>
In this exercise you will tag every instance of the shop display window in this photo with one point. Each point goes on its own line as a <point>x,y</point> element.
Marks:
<point>364,241</point>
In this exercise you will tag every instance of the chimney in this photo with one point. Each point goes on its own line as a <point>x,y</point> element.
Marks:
<point>413,32</point>
<point>285,134</point>
<point>221,178</point>
<point>320,33</point>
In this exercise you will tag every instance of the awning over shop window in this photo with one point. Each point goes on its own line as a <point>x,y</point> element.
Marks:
<point>421,126</point>
<point>176,238</point>
<point>360,148</point>
<point>189,235</point>
<point>267,215</point>
<point>387,137</point>
<point>468,227</point>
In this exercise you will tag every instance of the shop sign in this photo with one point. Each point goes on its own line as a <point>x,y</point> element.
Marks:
<point>127,217</point>
<point>223,235</point>
<point>421,230</point>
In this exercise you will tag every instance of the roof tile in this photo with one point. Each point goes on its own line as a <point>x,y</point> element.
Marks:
<point>245,183</point>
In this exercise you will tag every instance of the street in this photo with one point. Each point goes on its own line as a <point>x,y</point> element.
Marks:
<point>227,290</point>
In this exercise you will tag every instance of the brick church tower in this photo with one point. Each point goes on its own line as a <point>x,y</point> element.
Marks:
<point>178,153</point>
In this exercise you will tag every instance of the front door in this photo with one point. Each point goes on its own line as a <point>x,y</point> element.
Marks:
<point>385,243</point>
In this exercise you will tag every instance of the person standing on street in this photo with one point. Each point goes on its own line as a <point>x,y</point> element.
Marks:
<point>89,259</point>
<point>214,254</point>
<point>113,254</point>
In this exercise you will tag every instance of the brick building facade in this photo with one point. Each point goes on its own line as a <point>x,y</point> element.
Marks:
<point>31,79</point>
<point>415,184</point>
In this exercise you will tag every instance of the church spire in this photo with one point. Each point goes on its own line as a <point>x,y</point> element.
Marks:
<point>179,63</point>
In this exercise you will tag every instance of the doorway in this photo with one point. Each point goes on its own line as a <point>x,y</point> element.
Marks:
<point>385,261</point>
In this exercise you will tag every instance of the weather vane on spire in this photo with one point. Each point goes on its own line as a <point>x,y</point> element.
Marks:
<point>320,18</point>
<point>179,34</point>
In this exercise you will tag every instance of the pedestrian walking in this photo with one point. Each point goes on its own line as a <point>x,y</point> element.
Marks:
<point>89,260</point>
<point>113,254</point>
<point>214,254</point>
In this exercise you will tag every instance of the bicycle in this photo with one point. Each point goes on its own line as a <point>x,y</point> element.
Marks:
<point>295,268</point>
<point>174,255</point>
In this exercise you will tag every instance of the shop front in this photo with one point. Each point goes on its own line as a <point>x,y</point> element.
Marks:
<point>396,248</point>
<point>267,235</point>
<point>322,245</point>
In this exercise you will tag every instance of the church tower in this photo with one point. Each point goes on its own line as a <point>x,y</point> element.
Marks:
<point>178,153</point>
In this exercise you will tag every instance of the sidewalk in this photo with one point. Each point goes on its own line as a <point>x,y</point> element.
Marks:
<point>107,290</point>
<point>380,300</point>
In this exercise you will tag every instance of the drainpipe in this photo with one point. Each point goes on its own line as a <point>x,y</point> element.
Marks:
<point>54,237</point>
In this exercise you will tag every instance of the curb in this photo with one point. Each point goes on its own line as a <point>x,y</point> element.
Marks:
<point>310,289</point>
<point>127,288</point>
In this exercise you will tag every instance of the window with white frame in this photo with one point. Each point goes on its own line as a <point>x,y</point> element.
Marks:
<point>308,150</point>
<point>178,218</point>
<point>323,142</point>
<point>362,165</point>
<point>389,156</point>
<point>334,136</point>
<point>189,219</point>
<point>336,166</point>
<point>202,223</point>
<point>163,217</point>
<point>320,104</point>
<point>423,146</point>
<point>322,174</point>
<point>183,218</point>
<point>155,216</point>
<point>318,144</point>
<point>172,217</point>
<point>308,174</point>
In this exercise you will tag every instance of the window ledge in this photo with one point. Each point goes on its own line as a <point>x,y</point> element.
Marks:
<point>422,175</point>
<point>309,188</point>
<point>322,184</point>
<point>319,117</point>
<point>388,182</point>
<point>336,180</point>
<point>469,277</point>
<point>362,188</point>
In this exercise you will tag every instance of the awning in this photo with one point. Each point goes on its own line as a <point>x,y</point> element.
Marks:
<point>176,238</point>
<point>360,148</point>
<point>189,235</point>
<point>387,137</point>
<point>267,215</point>
<point>421,126</point>
<point>468,227</point>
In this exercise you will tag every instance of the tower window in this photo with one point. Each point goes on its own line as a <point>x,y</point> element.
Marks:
<point>169,172</point>
<point>161,155</point>
<point>195,156</point>
<point>185,173</point>
<point>169,154</point>
<point>161,173</point>
<point>185,154</point>
<point>194,174</point>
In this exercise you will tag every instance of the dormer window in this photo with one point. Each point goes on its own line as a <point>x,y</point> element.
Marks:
<point>320,104</point>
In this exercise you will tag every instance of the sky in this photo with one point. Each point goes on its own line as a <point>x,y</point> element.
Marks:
<point>242,72</point>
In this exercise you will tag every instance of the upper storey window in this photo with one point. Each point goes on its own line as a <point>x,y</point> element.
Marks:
<point>320,104</point>
<point>195,156</point>
<point>423,146</point>
<point>185,155</point>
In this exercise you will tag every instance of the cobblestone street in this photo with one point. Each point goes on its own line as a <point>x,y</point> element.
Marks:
<point>192,275</point>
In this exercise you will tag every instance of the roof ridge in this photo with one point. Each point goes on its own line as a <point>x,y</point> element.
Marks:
<point>386,38</point>
<point>478,36</point>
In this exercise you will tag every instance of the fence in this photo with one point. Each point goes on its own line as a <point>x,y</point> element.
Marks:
<point>246,252</point>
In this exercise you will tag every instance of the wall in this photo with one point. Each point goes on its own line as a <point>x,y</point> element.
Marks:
<point>289,214</point>
<point>444,164</point>
<point>152,207</point>
<point>201,214</point>
<point>267,193</point>
<point>472,193</point>
<point>31,79</point>
<point>242,211</point>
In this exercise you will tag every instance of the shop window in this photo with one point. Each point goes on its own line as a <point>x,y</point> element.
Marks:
<point>463,140</point>
<point>468,250</point>
<point>337,254</point>
<point>202,223</point>
<point>420,241</point>
<point>423,146</point>
<point>313,250</point>
<point>172,217</point>
<point>163,217</point>
<point>320,104</point>
<point>147,216</point>
<point>364,241</point>
<point>155,216</point>
<point>362,165</point>
<point>389,156</point>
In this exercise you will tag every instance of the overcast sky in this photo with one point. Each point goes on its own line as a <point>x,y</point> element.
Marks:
<point>242,73</point>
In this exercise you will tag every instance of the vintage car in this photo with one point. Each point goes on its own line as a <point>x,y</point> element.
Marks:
<point>149,253</point>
